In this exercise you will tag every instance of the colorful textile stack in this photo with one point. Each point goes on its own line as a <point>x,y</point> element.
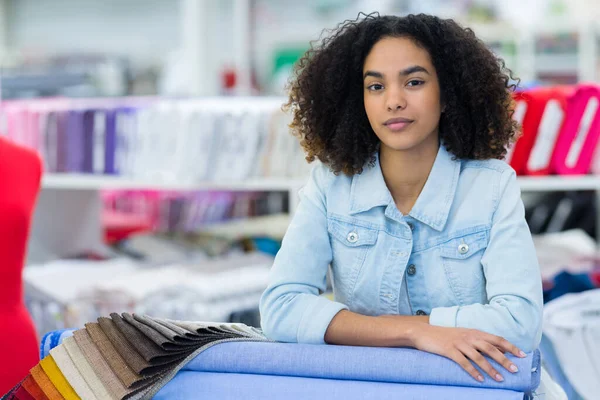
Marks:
<point>122,357</point>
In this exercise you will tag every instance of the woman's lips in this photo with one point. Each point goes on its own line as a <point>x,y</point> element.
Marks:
<point>397,126</point>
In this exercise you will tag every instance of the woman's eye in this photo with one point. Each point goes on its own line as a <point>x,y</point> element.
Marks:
<point>375,87</point>
<point>415,82</point>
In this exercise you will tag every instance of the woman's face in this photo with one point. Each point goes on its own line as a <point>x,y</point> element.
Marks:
<point>402,95</point>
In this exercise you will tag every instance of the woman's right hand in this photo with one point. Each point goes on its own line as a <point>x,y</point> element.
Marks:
<point>465,345</point>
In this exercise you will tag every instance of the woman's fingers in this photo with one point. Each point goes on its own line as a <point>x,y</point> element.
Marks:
<point>459,358</point>
<point>495,354</point>
<point>504,345</point>
<point>471,353</point>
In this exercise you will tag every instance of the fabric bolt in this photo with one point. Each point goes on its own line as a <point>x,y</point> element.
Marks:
<point>264,387</point>
<point>260,366</point>
<point>131,356</point>
<point>112,356</point>
<point>148,348</point>
<point>45,384</point>
<point>71,373</point>
<point>58,379</point>
<point>155,388</point>
<point>101,367</point>
<point>22,394</point>
<point>86,370</point>
<point>340,362</point>
<point>33,389</point>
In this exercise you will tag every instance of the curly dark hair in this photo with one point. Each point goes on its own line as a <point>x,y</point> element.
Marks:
<point>326,93</point>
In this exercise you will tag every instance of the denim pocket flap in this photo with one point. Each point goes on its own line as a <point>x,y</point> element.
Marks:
<point>465,246</point>
<point>352,235</point>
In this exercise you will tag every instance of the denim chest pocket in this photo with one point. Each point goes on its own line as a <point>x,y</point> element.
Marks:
<point>461,258</point>
<point>350,244</point>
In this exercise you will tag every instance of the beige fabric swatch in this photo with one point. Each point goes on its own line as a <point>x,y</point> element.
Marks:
<point>86,370</point>
<point>110,380</point>
<point>71,373</point>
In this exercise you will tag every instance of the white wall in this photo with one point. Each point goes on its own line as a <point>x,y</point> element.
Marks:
<point>143,29</point>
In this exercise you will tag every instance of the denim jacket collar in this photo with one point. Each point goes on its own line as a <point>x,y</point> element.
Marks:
<point>433,204</point>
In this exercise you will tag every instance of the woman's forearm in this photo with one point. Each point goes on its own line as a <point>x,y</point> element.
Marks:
<point>352,329</point>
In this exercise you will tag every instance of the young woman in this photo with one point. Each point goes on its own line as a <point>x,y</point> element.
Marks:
<point>411,206</point>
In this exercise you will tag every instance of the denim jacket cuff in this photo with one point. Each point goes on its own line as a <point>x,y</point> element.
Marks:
<point>316,319</point>
<point>443,316</point>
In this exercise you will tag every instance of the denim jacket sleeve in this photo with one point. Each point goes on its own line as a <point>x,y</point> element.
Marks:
<point>291,309</point>
<point>513,280</point>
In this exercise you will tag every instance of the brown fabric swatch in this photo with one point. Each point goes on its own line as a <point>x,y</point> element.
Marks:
<point>163,330</point>
<point>185,334</point>
<point>206,331</point>
<point>148,348</point>
<point>129,353</point>
<point>110,380</point>
<point>152,334</point>
<point>167,339</point>
<point>127,375</point>
<point>45,384</point>
<point>125,349</point>
<point>33,388</point>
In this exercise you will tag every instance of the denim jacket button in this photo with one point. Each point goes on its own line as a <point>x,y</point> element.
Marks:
<point>463,248</point>
<point>352,237</point>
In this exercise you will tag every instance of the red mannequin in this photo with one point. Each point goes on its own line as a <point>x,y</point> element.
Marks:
<point>20,173</point>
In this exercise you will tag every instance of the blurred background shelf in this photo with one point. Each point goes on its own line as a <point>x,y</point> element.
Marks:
<point>104,182</point>
<point>558,183</point>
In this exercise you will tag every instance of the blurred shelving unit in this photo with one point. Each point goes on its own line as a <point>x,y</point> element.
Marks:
<point>73,199</point>
<point>70,182</point>
<point>82,182</point>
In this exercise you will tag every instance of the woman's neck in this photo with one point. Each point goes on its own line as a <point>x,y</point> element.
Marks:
<point>406,172</point>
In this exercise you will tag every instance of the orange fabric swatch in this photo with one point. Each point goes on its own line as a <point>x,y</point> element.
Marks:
<point>58,379</point>
<point>33,389</point>
<point>45,384</point>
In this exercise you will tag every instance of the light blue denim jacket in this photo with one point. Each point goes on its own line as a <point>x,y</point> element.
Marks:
<point>463,255</point>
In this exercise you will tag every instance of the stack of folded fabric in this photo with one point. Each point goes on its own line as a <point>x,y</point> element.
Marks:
<point>122,357</point>
<point>140,357</point>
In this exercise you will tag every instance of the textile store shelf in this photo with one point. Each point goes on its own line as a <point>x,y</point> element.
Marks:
<point>99,182</point>
<point>558,183</point>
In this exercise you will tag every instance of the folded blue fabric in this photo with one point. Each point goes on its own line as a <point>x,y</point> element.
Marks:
<point>53,339</point>
<point>395,365</point>
<point>192,385</point>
